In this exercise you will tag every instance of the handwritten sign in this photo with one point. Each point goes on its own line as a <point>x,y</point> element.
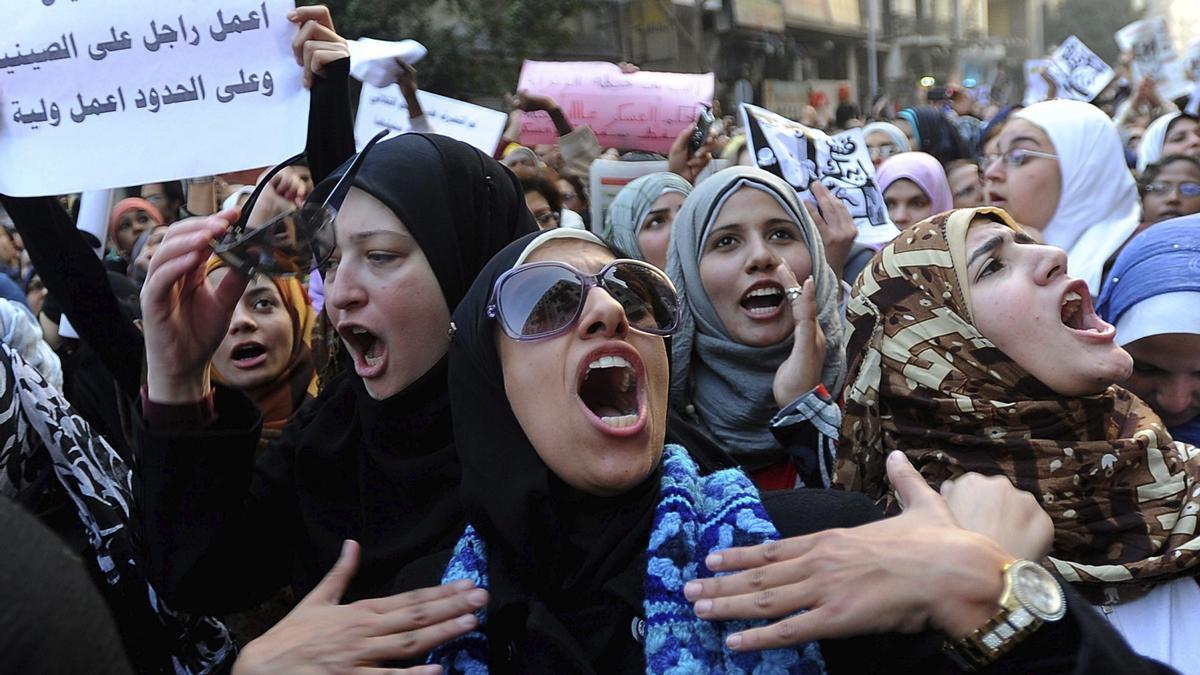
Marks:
<point>1079,74</point>
<point>1149,41</point>
<point>385,108</point>
<point>636,111</point>
<point>106,94</point>
<point>801,155</point>
<point>1036,87</point>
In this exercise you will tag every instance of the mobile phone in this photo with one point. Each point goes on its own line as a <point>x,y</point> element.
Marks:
<point>938,93</point>
<point>700,132</point>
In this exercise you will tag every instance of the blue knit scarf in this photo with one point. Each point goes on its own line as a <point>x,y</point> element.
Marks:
<point>696,515</point>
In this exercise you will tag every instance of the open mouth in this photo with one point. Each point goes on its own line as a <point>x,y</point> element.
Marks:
<point>763,301</point>
<point>248,355</point>
<point>1078,314</point>
<point>609,389</point>
<point>366,348</point>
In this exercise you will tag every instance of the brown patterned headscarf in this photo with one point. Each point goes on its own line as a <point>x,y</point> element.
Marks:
<point>1122,495</point>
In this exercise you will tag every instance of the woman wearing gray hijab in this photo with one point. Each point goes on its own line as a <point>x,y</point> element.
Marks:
<point>638,223</point>
<point>758,357</point>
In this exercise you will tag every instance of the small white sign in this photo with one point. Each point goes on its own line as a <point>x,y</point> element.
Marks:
<point>385,108</point>
<point>1079,74</point>
<point>1149,41</point>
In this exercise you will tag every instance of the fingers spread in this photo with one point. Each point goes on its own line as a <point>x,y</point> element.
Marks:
<point>910,485</point>
<point>771,601</point>
<point>732,559</point>
<point>421,595</point>
<point>333,585</point>
<point>791,631</point>
<point>424,614</point>
<point>410,643</point>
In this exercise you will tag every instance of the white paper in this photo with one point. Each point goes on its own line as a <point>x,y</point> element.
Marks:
<point>1078,73</point>
<point>801,155</point>
<point>123,92</point>
<point>1154,56</point>
<point>608,176</point>
<point>1036,88</point>
<point>385,108</point>
<point>378,62</point>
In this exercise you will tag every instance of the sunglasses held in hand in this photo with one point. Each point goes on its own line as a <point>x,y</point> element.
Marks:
<point>292,243</point>
<point>544,299</point>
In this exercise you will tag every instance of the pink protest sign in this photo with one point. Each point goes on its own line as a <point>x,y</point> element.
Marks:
<point>641,111</point>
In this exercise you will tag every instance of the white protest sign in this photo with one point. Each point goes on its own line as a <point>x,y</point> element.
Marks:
<point>801,155</point>
<point>97,94</point>
<point>1149,41</point>
<point>1036,87</point>
<point>1191,61</point>
<point>1078,73</point>
<point>386,109</point>
<point>608,176</point>
<point>644,110</point>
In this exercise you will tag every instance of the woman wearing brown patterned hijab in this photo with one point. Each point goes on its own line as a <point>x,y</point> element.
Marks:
<point>971,349</point>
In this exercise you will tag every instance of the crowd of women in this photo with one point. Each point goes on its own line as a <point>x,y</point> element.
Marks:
<point>437,420</point>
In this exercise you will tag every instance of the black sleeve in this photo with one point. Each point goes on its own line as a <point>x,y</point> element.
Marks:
<point>218,527</point>
<point>330,127</point>
<point>78,281</point>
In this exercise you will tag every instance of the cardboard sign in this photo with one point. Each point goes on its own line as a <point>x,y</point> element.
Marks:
<point>1149,40</point>
<point>385,108</point>
<point>107,94</point>
<point>608,176</point>
<point>801,155</point>
<point>636,111</point>
<point>1078,73</point>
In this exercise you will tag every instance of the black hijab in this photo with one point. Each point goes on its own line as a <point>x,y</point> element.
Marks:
<point>385,472</point>
<point>562,564</point>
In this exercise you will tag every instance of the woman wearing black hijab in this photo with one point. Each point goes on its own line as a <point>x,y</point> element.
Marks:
<point>372,458</point>
<point>585,529</point>
<point>933,133</point>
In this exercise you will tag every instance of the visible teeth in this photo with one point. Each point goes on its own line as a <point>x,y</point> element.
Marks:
<point>763,291</point>
<point>609,362</point>
<point>358,331</point>
<point>628,382</point>
<point>1071,297</point>
<point>619,421</point>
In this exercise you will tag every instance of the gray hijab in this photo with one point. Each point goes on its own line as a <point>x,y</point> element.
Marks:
<point>724,386</point>
<point>624,217</point>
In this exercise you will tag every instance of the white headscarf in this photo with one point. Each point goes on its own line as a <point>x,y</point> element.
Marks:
<point>892,131</point>
<point>1099,207</point>
<point>1150,150</point>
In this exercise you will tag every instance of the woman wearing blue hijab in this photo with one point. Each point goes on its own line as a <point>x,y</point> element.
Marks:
<point>1152,296</point>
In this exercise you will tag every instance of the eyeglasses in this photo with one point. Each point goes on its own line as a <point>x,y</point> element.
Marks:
<point>291,243</point>
<point>544,299</point>
<point>1013,158</point>
<point>1187,190</point>
<point>882,152</point>
<point>546,217</point>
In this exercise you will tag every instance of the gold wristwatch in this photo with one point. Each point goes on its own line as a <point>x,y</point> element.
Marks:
<point>1031,597</point>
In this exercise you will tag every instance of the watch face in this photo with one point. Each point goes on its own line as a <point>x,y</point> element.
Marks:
<point>1038,591</point>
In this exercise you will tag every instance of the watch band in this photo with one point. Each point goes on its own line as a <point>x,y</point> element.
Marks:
<point>1008,627</point>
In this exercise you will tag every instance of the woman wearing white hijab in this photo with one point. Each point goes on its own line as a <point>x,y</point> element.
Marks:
<point>1060,169</point>
<point>884,139</point>
<point>1174,133</point>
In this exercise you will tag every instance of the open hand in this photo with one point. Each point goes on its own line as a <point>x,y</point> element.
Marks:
<point>322,636</point>
<point>834,222</point>
<point>915,571</point>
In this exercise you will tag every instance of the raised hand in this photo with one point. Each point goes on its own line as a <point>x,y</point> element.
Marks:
<point>316,43</point>
<point>915,571</point>
<point>323,636</point>
<point>802,370</point>
<point>184,314</point>
<point>835,224</point>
